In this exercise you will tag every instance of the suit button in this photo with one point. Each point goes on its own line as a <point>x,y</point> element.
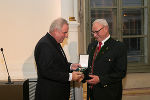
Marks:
<point>109,60</point>
<point>105,85</point>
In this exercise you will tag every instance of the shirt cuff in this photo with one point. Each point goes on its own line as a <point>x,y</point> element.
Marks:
<point>70,77</point>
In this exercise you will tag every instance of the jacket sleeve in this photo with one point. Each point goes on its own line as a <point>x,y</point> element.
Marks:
<point>48,64</point>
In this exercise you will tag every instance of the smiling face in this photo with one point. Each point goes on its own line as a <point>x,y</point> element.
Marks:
<point>60,35</point>
<point>100,31</point>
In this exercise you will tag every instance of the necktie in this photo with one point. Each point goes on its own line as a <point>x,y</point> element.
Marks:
<point>99,48</point>
<point>95,54</point>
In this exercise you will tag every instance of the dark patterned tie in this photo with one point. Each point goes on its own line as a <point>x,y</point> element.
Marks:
<point>95,54</point>
<point>98,48</point>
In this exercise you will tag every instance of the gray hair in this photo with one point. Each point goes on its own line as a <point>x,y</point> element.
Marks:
<point>57,24</point>
<point>101,21</point>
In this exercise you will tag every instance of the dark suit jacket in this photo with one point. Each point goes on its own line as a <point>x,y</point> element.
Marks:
<point>110,65</point>
<point>52,69</point>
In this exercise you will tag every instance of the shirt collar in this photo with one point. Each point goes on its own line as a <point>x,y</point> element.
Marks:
<point>104,41</point>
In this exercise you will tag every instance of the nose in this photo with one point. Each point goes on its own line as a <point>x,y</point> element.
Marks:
<point>94,34</point>
<point>66,35</point>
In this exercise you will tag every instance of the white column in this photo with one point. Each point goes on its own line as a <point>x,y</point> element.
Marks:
<point>69,8</point>
<point>71,47</point>
<point>75,9</point>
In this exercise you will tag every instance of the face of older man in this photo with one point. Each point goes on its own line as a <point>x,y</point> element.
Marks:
<point>60,35</point>
<point>100,32</point>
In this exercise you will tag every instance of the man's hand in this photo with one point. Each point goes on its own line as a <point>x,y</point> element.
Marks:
<point>76,76</point>
<point>95,79</point>
<point>81,78</point>
<point>75,66</point>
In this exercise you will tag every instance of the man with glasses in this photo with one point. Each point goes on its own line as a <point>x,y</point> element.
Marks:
<point>53,69</point>
<point>107,64</point>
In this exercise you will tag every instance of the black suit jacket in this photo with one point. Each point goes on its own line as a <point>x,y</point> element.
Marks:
<point>110,65</point>
<point>52,69</point>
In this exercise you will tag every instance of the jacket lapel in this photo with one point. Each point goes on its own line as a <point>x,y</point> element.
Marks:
<point>104,49</point>
<point>58,47</point>
<point>62,53</point>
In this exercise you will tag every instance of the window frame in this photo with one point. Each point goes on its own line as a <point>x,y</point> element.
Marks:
<point>132,67</point>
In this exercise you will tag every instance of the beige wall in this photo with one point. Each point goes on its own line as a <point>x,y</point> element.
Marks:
<point>22,24</point>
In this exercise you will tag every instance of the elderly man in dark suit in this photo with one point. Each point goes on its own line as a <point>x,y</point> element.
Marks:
<point>107,64</point>
<point>53,69</point>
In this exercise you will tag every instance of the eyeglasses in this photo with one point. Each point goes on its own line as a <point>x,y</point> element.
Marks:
<point>96,32</point>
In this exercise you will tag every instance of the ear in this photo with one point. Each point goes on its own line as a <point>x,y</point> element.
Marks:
<point>55,30</point>
<point>106,28</point>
